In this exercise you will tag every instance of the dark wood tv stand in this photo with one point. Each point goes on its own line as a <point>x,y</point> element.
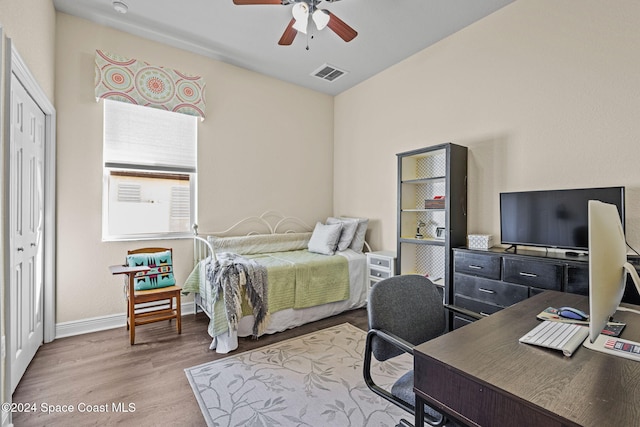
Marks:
<point>568,255</point>
<point>487,281</point>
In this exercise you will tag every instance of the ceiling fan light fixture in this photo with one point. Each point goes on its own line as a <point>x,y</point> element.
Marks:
<point>300,13</point>
<point>321,18</point>
<point>300,26</point>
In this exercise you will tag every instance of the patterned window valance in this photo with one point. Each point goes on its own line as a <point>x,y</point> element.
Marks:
<point>137,82</point>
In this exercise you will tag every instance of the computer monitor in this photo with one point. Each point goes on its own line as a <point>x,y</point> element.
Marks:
<point>608,268</point>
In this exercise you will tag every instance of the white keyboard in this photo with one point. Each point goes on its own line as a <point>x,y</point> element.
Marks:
<point>565,337</point>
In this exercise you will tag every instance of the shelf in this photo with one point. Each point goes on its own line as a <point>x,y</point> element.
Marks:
<point>423,180</point>
<point>425,176</point>
<point>425,241</point>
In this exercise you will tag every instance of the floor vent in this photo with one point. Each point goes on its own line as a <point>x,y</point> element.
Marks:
<point>329,73</point>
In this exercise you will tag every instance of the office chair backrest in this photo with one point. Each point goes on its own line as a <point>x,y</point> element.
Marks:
<point>408,306</point>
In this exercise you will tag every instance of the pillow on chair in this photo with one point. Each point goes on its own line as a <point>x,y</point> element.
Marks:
<point>161,273</point>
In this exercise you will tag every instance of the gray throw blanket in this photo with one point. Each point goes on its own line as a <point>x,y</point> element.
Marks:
<point>228,274</point>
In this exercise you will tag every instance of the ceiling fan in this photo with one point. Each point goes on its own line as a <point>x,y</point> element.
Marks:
<point>304,11</point>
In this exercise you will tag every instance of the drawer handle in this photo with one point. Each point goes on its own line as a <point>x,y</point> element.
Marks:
<point>379,262</point>
<point>528,274</point>
<point>475,267</point>
<point>486,291</point>
<point>378,275</point>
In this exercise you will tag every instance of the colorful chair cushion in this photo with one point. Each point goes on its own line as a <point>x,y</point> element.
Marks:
<point>159,276</point>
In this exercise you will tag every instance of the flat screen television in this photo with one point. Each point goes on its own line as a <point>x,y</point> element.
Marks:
<point>553,218</point>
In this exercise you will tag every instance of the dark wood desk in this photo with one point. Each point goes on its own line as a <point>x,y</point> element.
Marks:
<point>481,375</point>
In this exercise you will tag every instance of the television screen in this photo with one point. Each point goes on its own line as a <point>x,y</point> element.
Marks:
<point>553,218</point>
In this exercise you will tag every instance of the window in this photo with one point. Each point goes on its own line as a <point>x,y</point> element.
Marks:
<point>149,172</point>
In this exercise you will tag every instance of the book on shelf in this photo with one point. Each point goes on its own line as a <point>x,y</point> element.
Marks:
<point>434,203</point>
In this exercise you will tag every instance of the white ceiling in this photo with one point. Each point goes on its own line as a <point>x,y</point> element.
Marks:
<point>247,36</point>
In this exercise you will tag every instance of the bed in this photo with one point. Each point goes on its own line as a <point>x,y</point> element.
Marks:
<point>308,276</point>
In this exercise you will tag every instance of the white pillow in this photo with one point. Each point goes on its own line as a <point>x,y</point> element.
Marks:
<point>349,227</point>
<point>358,239</point>
<point>324,239</point>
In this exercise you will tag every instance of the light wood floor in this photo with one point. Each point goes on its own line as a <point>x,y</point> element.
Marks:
<point>102,369</point>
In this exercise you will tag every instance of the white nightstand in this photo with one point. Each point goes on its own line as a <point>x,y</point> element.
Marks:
<point>381,265</point>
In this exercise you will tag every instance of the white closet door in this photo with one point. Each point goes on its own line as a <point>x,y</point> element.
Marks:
<point>27,221</point>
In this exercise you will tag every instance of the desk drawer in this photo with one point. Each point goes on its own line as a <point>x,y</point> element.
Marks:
<point>490,291</point>
<point>476,306</point>
<point>543,275</point>
<point>477,265</point>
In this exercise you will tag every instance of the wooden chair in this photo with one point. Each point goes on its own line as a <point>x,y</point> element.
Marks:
<point>158,301</point>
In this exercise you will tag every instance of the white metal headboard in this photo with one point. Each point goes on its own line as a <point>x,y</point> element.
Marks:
<point>270,222</point>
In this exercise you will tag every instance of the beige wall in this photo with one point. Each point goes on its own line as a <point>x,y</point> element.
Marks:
<point>31,26</point>
<point>265,144</point>
<point>544,93</point>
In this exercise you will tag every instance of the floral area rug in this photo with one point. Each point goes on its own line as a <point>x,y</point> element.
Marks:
<point>312,380</point>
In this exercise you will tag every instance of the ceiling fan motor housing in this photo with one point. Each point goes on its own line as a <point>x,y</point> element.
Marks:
<point>304,11</point>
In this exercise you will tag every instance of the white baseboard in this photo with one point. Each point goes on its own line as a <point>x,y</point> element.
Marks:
<point>95,324</point>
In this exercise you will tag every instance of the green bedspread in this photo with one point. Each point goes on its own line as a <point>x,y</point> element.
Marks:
<point>296,279</point>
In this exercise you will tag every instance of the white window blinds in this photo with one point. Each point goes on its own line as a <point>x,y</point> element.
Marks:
<point>149,139</point>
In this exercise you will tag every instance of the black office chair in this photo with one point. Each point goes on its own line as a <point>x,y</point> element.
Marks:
<point>404,311</point>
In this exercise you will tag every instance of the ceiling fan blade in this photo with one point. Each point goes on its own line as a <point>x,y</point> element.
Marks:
<point>243,2</point>
<point>338,26</point>
<point>289,34</point>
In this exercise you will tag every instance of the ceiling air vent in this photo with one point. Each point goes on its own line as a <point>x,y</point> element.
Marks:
<point>329,73</point>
